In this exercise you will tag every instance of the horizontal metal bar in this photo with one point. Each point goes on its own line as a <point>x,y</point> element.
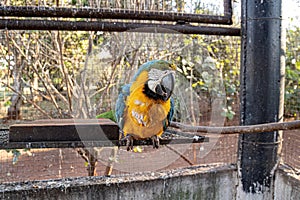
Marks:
<point>13,24</point>
<point>100,13</point>
<point>107,143</point>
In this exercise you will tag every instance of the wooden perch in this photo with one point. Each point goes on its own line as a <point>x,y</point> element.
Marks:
<point>80,133</point>
<point>258,128</point>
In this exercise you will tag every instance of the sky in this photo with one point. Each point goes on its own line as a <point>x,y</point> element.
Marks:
<point>291,8</point>
<point>290,11</point>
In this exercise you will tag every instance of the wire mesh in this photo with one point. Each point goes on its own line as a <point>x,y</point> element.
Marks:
<point>126,15</point>
<point>45,164</point>
<point>185,6</point>
<point>112,61</point>
<point>41,164</point>
<point>49,62</point>
<point>291,143</point>
<point>290,151</point>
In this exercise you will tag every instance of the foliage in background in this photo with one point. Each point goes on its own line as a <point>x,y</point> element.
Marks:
<point>59,72</point>
<point>292,81</point>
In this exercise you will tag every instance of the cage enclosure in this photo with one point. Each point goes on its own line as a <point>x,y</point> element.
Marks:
<point>235,127</point>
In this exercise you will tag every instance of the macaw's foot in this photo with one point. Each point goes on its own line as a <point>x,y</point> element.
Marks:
<point>121,139</point>
<point>129,141</point>
<point>155,141</point>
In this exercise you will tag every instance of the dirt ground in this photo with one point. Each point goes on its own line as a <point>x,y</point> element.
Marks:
<point>43,164</point>
<point>40,164</point>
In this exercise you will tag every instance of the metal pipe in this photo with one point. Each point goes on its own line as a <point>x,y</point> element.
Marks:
<point>103,13</point>
<point>228,8</point>
<point>262,84</point>
<point>14,24</point>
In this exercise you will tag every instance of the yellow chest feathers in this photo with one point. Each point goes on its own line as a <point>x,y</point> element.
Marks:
<point>144,117</point>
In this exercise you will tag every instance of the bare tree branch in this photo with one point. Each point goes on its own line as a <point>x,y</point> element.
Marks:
<point>90,157</point>
<point>64,71</point>
<point>180,154</point>
<point>34,89</point>
<point>54,89</point>
<point>267,127</point>
<point>25,98</point>
<point>17,46</point>
<point>47,89</point>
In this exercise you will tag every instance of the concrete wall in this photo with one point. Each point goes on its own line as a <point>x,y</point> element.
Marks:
<point>191,183</point>
<point>287,185</point>
<point>195,183</point>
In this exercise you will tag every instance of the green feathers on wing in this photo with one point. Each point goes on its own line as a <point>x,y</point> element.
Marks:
<point>107,115</point>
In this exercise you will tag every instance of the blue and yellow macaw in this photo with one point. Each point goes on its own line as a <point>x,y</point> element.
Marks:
<point>144,107</point>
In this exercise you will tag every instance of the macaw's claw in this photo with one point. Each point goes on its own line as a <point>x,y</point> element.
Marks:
<point>155,141</point>
<point>128,139</point>
<point>121,139</point>
<point>129,142</point>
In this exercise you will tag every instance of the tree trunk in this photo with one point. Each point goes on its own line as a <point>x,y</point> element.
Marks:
<point>14,111</point>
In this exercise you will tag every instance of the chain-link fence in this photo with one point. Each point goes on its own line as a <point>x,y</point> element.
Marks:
<point>64,74</point>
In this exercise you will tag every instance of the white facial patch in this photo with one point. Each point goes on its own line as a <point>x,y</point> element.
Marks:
<point>155,76</point>
<point>139,117</point>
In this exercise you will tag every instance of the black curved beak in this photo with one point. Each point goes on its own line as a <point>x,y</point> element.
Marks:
<point>166,86</point>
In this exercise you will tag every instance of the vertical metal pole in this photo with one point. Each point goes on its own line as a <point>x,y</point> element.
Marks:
<point>262,83</point>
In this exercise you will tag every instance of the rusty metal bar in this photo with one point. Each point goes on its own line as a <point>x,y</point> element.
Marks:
<point>14,24</point>
<point>100,13</point>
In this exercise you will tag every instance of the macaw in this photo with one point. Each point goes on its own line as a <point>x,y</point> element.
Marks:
<point>144,107</point>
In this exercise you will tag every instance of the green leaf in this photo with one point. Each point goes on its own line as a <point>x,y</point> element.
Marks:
<point>7,103</point>
<point>16,155</point>
<point>228,112</point>
<point>298,65</point>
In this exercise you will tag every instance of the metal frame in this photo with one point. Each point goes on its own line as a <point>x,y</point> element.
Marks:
<point>261,96</point>
<point>15,24</point>
<point>16,18</point>
<point>100,13</point>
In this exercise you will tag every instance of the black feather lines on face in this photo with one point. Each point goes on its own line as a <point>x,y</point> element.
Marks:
<point>149,93</point>
<point>152,95</point>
